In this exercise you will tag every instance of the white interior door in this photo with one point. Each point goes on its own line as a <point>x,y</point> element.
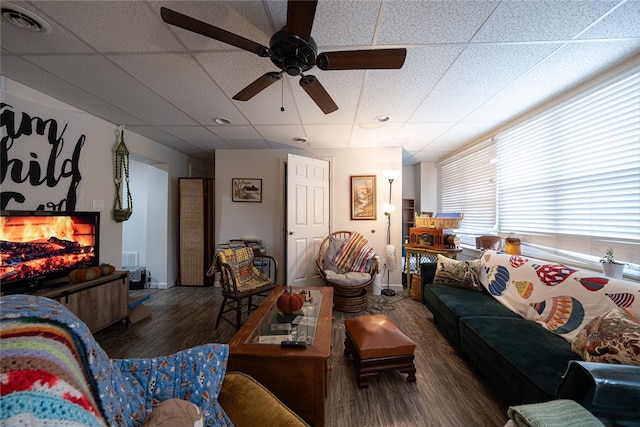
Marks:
<point>307,217</point>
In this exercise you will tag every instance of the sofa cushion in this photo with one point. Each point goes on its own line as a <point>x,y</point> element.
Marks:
<point>612,337</point>
<point>332,248</point>
<point>448,304</point>
<point>351,278</point>
<point>524,360</point>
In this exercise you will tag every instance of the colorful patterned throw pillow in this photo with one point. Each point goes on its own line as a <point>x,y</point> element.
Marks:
<point>354,254</point>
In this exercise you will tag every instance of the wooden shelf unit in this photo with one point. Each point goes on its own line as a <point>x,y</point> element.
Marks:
<point>408,215</point>
<point>98,303</point>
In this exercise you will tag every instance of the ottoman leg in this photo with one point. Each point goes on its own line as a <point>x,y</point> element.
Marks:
<point>348,346</point>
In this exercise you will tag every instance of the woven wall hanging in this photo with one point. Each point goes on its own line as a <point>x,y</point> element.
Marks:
<point>120,170</point>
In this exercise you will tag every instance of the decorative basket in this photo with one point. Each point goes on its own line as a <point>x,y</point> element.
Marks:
<point>120,215</point>
<point>431,222</point>
<point>416,287</point>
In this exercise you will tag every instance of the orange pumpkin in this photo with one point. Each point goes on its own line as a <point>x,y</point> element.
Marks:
<point>107,269</point>
<point>290,302</point>
<point>84,274</point>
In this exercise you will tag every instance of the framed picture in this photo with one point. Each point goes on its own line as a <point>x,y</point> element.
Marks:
<point>363,197</point>
<point>246,190</point>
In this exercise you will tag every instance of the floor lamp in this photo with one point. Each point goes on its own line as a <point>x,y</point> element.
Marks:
<point>390,251</point>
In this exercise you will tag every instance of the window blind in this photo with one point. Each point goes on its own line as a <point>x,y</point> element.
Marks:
<point>570,177</point>
<point>467,185</point>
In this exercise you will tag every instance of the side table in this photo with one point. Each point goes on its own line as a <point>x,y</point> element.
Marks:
<point>419,252</point>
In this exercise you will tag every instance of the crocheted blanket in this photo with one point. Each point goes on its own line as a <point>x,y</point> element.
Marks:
<point>42,378</point>
<point>241,262</point>
<point>125,390</point>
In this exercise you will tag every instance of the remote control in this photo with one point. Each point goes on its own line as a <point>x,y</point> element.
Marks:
<point>293,344</point>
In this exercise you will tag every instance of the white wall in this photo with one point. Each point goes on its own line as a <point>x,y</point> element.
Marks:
<point>98,178</point>
<point>265,220</point>
<point>426,187</point>
<point>141,232</point>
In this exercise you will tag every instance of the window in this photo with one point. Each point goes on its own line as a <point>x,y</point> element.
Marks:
<point>567,180</point>
<point>467,184</point>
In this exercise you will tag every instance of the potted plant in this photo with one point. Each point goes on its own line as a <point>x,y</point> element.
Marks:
<point>610,266</point>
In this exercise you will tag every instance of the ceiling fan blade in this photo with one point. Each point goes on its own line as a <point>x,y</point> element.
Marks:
<point>317,92</point>
<point>300,16</point>
<point>258,86</point>
<point>183,21</point>
<point>362,59</point>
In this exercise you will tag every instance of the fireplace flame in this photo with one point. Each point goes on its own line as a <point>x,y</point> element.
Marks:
<point>34,229</point>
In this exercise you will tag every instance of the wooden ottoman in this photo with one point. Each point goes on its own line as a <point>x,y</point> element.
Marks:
<point>377,344</point>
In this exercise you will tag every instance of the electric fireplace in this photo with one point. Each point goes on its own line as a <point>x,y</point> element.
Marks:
<point>38,249</point>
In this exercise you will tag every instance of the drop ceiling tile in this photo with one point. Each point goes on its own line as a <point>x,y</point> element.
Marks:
<point>281,134</point>
<point>240,136</point>
<point>114,86</point>
<point>379,136</point>
<point>345,23</point>
<point>418,136</point>
<point>198,136</point>
<point>113,26</point>
<point>402,91</point>
<point>18,40</point>
<point>183,82</point>
<point>422,22</point>
<point>548,79</point>
<point>244,18</point>
<point>479,73</point>
<point>160,136</point>
<point>461,134</point>
<point>328,136</point>
<point>36,78</point>
<point>409,159</point>
<point>231,132</point>
<point>622,22</point>
<point>554,20</point>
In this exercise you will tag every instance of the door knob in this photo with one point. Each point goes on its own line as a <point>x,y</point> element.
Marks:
<point>292,232</point>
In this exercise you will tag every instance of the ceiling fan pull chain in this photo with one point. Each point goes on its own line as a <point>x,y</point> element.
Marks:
<point>282,97</point>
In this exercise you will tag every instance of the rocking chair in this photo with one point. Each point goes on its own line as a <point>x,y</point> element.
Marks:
<point>241,279</point>
<point>352,285</point>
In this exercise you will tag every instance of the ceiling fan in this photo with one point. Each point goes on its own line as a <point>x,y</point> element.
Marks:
<point>293,51</point>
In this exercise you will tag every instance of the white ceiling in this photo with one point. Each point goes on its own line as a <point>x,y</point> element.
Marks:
<point>471,66</point>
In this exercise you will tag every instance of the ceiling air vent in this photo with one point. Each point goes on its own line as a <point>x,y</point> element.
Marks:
<point>25,20</point>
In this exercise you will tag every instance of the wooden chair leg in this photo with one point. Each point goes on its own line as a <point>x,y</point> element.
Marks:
<point>224,302</point>
<point>238,314</point>
<point>250,305</point>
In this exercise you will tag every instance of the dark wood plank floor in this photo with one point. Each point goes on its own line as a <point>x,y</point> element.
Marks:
<point>447,392</point>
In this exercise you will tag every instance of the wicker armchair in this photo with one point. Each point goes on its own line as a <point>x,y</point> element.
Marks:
<point>351,288</point>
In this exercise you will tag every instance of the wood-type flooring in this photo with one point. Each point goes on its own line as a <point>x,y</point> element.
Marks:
<point>447,392</point>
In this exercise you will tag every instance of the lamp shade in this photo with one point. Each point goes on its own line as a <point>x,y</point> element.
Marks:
<point>391,174</point>
<point>388,208</point>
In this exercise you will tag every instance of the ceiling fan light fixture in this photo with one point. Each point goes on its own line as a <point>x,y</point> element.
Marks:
<point>222,121</point>
<point>25,20</point>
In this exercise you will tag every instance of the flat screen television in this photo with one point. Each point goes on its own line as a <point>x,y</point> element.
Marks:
<point>38,249</point>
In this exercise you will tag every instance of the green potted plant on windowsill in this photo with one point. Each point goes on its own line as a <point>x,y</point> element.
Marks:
<point>610,266</point>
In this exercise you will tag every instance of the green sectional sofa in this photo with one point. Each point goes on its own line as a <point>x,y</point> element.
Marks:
<point>476,323</point>
<point>524,361</point>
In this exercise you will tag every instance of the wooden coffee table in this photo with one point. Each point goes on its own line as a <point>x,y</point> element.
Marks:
<point>297,376</point>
